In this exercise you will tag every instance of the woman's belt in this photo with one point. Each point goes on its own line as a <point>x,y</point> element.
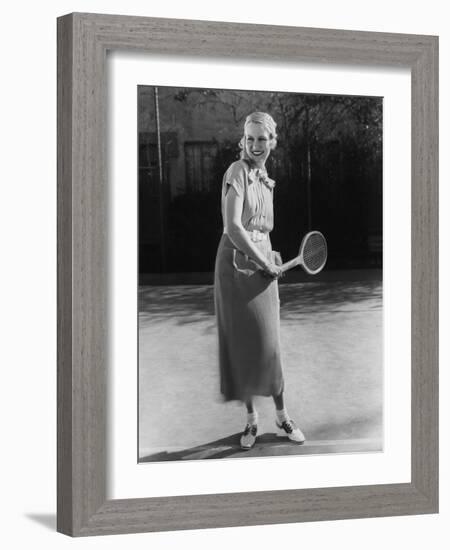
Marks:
<point>255,235</point>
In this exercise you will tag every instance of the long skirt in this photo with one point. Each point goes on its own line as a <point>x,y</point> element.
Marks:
<point>247,308</point>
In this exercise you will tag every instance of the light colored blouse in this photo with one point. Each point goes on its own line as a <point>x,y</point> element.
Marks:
<point>256,189</point>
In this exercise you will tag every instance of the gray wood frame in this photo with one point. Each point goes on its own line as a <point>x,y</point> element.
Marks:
<point>83,40</point>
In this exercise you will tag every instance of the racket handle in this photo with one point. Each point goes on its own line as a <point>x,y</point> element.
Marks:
<point>289,265</point>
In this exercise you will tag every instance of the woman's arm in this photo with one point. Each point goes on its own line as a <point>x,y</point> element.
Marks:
<point>238,235</point>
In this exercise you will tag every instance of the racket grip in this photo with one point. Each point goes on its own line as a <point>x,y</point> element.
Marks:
<point>289,265</point>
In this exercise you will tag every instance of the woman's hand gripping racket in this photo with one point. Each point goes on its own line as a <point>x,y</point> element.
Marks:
<point>312,255</point>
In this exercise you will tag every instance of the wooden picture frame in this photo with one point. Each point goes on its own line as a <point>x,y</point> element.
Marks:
<point>83,41</point>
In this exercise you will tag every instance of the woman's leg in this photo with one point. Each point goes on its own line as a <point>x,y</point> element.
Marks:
<point>252,414</point>
<point>250,406</point>
<point>279,401</point>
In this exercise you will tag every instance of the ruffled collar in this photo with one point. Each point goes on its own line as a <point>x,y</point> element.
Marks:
<point>260,174</point>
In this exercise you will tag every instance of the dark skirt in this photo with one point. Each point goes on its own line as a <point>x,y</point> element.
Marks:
<point>247,308</point>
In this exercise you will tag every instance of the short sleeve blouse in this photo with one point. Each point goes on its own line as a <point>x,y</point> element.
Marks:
<point>256,189</point>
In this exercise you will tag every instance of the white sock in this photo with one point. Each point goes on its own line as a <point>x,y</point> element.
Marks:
<point>252,418</point>
<point>282,416</point>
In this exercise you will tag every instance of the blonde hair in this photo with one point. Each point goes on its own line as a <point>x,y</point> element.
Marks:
<point>269,125</point>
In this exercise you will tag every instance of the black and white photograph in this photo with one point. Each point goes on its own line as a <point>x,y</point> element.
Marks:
<point>260,295</point>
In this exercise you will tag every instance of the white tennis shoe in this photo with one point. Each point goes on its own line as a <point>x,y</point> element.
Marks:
<point>248,438</point>
<point>288,428</point>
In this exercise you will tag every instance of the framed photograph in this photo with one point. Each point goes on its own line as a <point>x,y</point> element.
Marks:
<point>187,341</point>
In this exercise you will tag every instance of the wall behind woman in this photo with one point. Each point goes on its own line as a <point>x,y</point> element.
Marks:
<point>28,230</point>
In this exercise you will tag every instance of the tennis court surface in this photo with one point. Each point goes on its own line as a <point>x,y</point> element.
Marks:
<point>332,350</point>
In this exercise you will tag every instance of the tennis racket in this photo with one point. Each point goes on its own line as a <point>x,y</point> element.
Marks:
<point>312,255</point>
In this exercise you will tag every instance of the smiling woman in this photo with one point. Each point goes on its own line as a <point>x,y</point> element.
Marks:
<point>246,287</point>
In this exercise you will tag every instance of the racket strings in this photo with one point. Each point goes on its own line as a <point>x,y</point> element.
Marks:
<point>314,252</point>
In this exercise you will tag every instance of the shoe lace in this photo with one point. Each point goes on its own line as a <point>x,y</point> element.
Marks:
<point>288,426</point>
<point>250,429</point>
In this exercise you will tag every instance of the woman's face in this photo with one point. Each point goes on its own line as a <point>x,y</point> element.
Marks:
<point>257,143</point>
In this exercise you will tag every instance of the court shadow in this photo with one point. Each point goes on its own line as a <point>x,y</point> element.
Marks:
<point>47,520</point>
<point>330,297</point>
<point>188,304</point>
<point>191,304</point>
<point>221,448</point>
